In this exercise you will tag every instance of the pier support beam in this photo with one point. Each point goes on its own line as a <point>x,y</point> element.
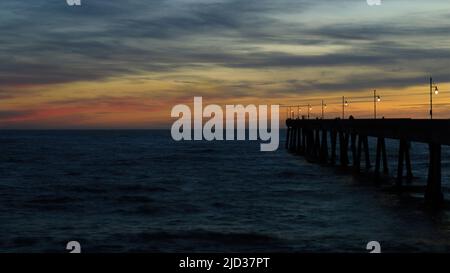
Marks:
<point>291,138</point>
<point>294,140</point>
<point>363,142</point>
<point>317,144</point>
<point>287,137</point>
<point>353,138</point>
<point>343,143</point>
<point>333,137</point>
<point>433,193</point>
<point>381,156</point>
<point>304,138</point>
<point>308,141</point>
<point>324,147</point>
<point>404,156</point>
<point>298,141</point>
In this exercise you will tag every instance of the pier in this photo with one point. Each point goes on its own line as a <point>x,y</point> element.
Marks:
<point>318,139</point>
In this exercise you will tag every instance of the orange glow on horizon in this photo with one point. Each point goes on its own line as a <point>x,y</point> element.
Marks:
<point>146,103</point>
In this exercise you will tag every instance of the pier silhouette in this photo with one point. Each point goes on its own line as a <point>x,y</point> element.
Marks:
<point>311,138</point>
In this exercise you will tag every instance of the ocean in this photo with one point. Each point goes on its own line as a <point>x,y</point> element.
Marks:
<point>140,191</point>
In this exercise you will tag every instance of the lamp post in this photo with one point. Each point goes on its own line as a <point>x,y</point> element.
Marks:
<point>376,99</point>
<point>436,92</point>
<point>344,104</point>
<point>309,109</point>
<point>324,106</point>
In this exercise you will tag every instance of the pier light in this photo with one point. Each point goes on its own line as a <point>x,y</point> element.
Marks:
<point>309,109</point>
<point>376,99</point>
<point>324,106</point>
<point>344,104</point>
<point>434,87</point>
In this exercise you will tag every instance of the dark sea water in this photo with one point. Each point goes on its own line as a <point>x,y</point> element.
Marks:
<point>139,191</point>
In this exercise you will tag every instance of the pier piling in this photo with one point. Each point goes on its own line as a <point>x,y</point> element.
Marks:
<point>433,193</point>
<point>381,156</point>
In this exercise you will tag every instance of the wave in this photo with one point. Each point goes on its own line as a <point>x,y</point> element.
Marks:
<point>141,188</point>
<point>234,238</point>
<point>47,200</point>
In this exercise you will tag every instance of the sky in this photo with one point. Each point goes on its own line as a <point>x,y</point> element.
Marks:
<point>125,64</point>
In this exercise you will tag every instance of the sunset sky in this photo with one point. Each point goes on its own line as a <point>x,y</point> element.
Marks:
<point>125,64</point>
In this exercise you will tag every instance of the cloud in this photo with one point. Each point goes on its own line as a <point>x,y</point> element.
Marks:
<point>5,115</point>
<point>307,45</point>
